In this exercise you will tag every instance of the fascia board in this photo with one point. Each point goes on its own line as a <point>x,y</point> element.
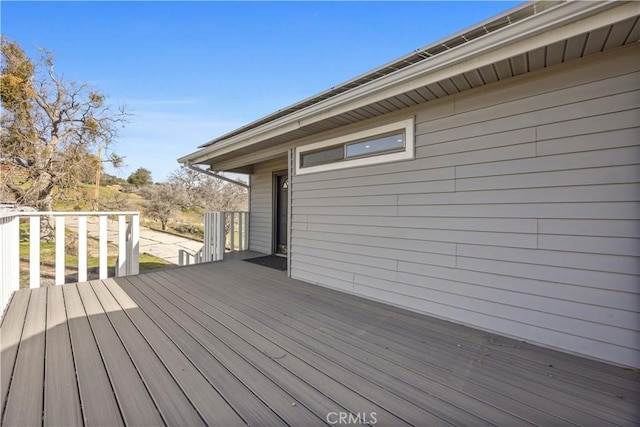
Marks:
<point>441,68</point>
<point>564,21</point>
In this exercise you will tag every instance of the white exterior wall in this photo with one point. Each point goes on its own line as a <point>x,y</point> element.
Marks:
<point>261,204</point>
<point>520,214</point>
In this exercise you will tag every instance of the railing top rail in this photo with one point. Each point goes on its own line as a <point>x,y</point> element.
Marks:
<point>75,213</point>
<point>9,214</point>
<point>227,211</point>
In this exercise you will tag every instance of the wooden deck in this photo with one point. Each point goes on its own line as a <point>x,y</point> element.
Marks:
<point>232,343</point>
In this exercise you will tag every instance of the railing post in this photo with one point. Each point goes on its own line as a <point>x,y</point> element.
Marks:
<point>208,238</point>
<point>60,251</point>
<point>218,236</point>
<point>232,230</point>
<point>82,248</point>
<point>240,231</point>
<point>34,252</point>
<point>134,262</point>
<point>122,246</point>
<point>102,243</point>
<point>245,231</point>
<point>129,249</point>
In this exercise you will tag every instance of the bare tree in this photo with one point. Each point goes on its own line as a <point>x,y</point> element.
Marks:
<point>48,128</point>
<point>208,192</point>
<point>162,202</point>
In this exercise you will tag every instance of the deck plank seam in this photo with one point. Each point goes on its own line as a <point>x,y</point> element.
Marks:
<point>44,370</point>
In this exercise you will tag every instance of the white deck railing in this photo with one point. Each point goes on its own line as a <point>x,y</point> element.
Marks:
<point>9,256</point>
<point>223,232</point>
<point>128,236</point>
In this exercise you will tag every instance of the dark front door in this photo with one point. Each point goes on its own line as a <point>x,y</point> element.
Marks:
<point>281,213</point>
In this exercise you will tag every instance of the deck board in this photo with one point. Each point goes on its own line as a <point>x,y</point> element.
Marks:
<point>98,401</point>
<point>61,396</point>
<point>232,343</point>
<point>134,400</point>
<point>10,335</point>
<point>25,400</point>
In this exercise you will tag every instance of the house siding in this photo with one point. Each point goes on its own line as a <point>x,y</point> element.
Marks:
<point>261,206</point>
<point>519,215</point>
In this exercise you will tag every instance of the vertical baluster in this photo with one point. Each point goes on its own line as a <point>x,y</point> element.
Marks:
<point>219,236</point>
<point>34,252</point>
<point>60,251</point>
<point>232,230</point>
<point>208,226</point>
<point>122,246</point>
<point>82,248</point>
<point>246,231</point>
<point>135,244</point>
<point>102,242</point>
<point>240,231</point>
<point>14,250</point>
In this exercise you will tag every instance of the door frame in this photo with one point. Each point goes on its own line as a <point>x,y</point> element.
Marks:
<point>274,211</point>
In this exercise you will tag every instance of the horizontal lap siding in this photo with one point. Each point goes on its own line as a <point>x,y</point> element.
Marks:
<point>519,215</point>
<point>261,209</point>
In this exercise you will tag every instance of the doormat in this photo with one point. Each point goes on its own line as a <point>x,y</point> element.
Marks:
<point>271,261</point>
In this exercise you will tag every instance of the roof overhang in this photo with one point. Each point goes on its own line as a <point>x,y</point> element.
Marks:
<point>563,31</point>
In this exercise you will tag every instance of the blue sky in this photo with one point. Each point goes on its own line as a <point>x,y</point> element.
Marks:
<point>192,71</point>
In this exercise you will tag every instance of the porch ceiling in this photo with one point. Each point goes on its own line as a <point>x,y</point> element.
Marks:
<point>372,102</point>
<point>232,343</point>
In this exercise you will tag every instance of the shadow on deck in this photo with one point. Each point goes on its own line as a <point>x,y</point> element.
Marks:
<point>233,343</point>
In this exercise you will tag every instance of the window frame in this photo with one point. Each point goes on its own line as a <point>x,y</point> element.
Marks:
<point>407,126</point>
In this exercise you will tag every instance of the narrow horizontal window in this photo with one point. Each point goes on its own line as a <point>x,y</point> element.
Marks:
<point>387,143</point>
<point>375,146</point>
<point>332,154</point>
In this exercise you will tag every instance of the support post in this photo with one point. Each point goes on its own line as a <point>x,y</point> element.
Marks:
<point>122,246</point>
<point>102,236</point>
<point>82,248</point>
<point>60,251</point>
<point>34,252</point>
